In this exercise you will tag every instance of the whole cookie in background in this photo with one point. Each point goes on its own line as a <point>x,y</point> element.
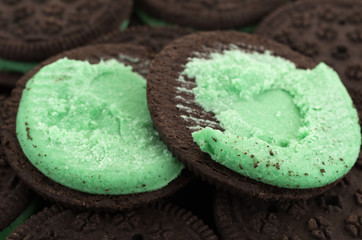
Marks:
<point>159,221</point>
<point>154,38</point>
<point>216,97</point>
<point>336,214</point>
<point>96,190</point>
<point>204,14</point>
<point>31,30</point>
<point>327,31</point>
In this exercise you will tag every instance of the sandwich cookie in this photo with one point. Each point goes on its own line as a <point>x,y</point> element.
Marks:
<point>84,137</point>
<point>248,115</point>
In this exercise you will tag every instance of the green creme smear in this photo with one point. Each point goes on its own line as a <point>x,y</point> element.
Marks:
<point>152,21</point>
<point>25,215</point>
<point>87,126</point>
<point>283,126</point>
<point>15,66</point>
<point>124,25</point>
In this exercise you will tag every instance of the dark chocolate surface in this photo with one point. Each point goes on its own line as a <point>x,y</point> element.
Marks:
<point>161,222</point>
<point>15,197</point>
<point>337,214</point>
<point>32,30</point>
<point>327,31</point>
<point>153,38</point>
<point>8,80</point>
<point>209,14</point>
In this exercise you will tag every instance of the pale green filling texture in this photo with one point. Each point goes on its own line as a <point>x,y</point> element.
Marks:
<point>124,25</point>
<point>283,126</point>
<point>88,127</point>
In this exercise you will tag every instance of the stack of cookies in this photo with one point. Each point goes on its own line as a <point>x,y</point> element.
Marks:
<point>170,120</point>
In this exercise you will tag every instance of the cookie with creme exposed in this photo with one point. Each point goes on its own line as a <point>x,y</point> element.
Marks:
<point>253,117</point>
<point>78,131</point>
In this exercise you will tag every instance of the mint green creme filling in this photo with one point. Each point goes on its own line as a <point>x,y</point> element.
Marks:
<point>124,25</point>
<point>88,127</point>
<point>283,126</point>
<point>15,66</point>
<point>152,21</point>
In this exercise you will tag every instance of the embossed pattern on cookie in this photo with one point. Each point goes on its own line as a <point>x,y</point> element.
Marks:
<point>336,214</point>
<point>328,31</point>
<point>32,30</point>
<point>160,221</point>
<point>208,14</point>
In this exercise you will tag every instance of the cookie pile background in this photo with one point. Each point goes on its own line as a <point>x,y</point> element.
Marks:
<point>38,32</point>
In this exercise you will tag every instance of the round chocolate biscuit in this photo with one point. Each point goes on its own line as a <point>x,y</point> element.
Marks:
<point>153,38</point>
<point>209,14</point>
<point>160,221</point>
<point>176,124</point>
<point>33,30</point>
<point>336,214</point>
<point>15,197</point>
<point>136,56</point>
<point>327,31</point>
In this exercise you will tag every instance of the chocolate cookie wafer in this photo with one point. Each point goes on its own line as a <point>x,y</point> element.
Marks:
<point>31,31</point>
<point>188,110</point>
<point>327,31</point>
<point>94,190</point>
<point>153,38</point>
<point>160,221</point>
<point>15,199</point>
<point>334,215</point>
<point>203,14</point>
